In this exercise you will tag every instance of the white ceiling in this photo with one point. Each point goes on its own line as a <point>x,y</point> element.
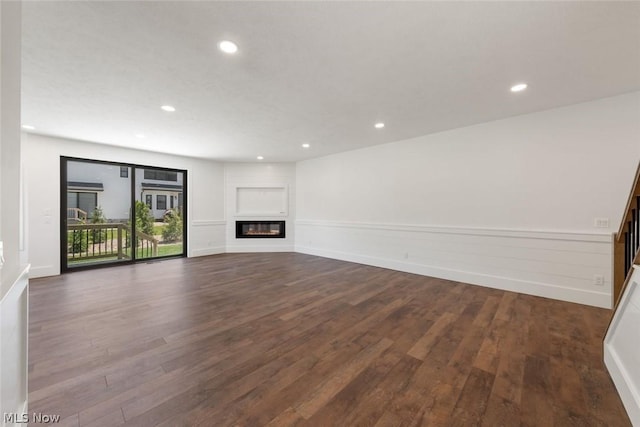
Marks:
<point>315,72</point>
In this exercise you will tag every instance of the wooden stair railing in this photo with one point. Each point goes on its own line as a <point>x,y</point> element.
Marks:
<point>626,242</point>
<point>94,241</point>
<point>147,240</point>
<point>76,214</point>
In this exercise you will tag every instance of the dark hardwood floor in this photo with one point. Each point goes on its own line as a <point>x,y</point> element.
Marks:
<point>290,339</point>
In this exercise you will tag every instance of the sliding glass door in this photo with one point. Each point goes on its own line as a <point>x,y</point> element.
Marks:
<point>117,213</point>
<point>159,212</point>
<point>97,215</point>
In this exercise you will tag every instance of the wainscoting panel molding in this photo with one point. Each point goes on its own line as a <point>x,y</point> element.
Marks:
<point>207,237</point>
<point>208,223</point>
<point>621,351</point>
<point>14,318</point>
<point>552,264</point>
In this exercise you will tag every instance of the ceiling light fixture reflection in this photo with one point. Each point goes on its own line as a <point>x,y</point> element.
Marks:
<point>260,158</point>
<point>519,87</point>
<point>228,46</point>
<point>305,145</point>
<point>168,108</point>
<point>28,127</point>
<point>379,125</point>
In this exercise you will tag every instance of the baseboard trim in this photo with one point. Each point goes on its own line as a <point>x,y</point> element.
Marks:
<point>215,250</point>
<point>598,299</point>
<point>44,271</point>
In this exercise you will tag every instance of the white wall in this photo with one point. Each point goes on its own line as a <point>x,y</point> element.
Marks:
<point>205,197</point>
<point>10,174</point>
<point>260,175</point>
<point>14,289</point>
<point>508,204</point>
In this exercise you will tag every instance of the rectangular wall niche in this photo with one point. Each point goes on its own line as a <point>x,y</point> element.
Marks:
<point>260,230</point>
<point>261,201</point>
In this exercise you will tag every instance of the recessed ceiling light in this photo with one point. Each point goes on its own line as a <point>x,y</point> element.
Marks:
<point>168,108</point>
<point>519,87</point>
<point>306,145</point>
<point>260,157</point>
<point>379,125</point>
<point>228,46</point>
<point>28,127</point>
<point>140,135</point>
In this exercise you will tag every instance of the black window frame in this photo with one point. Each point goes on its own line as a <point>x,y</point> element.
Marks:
<point>64,268</point>
<point>148,200</point>
<point>124,171</point>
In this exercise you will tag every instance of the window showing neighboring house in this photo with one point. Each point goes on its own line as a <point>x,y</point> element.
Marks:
<point>161,202</point>
<point>84,201</point>
<point>160,175</point>
<point>129,204</point>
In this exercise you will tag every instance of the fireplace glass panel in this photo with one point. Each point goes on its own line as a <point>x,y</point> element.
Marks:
<point>260,229</point>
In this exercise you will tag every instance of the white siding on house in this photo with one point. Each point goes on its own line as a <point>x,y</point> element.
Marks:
<point>143,190</point>
<point>114,198</point>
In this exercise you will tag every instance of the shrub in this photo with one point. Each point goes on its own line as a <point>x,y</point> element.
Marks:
<point>144,219</point>
<point>172,231</point>
<point>77,240</point>
<point>97,217</point>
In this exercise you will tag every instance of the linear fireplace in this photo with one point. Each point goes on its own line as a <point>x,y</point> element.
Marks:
<point>260,230</point>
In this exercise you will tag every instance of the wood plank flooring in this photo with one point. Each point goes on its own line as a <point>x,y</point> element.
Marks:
<point>287,339</point>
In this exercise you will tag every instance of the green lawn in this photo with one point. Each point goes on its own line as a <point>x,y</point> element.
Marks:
<point>165,250</point>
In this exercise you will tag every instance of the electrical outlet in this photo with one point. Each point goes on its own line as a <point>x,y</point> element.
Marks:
<point>598,279</point>
<point>601,222</point>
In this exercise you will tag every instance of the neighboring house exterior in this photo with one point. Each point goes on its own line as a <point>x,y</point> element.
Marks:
<point>108,186</point>
<point>160,190</point>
